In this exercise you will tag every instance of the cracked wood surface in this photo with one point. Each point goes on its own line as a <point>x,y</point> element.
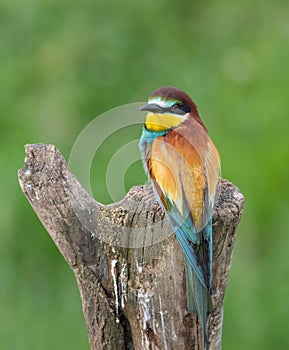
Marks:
<point>128,265</point>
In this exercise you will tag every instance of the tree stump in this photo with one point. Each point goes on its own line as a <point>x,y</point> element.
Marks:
<point>127,262</point>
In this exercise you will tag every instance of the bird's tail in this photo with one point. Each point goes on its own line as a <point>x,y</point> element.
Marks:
<point>199,300</point>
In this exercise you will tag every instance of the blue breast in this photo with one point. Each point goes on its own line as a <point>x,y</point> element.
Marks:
<point>145,141</point>
<point>148,136</point>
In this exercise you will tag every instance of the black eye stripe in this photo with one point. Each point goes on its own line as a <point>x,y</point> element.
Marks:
<point>185,108</point>
<point>174,110</point>
<point>179,108</point>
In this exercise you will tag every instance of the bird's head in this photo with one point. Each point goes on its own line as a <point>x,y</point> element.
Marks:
<point>168,107</point>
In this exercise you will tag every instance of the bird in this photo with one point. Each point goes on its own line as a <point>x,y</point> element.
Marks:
<point>183,165</point>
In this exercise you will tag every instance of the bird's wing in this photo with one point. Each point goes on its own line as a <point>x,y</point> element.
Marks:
<point>184,187</point>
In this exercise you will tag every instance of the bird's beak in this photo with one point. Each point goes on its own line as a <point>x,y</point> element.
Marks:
<point>152,107</point>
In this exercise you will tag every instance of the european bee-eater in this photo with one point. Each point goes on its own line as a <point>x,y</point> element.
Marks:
<point>183,165</point>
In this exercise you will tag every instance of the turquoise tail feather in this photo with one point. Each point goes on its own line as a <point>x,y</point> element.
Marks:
<point>197,247</point>
<point>199,300</point>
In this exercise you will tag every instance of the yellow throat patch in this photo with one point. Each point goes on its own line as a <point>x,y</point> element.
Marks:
<point>163,121</point>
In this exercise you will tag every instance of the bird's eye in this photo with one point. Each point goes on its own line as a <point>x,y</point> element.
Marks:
<point>176,107</point>
<point>180,108</point>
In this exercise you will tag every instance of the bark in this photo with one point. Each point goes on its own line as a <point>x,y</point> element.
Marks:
<point>128,265</point>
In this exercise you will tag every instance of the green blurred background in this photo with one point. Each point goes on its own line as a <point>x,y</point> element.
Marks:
<point>64,63</point>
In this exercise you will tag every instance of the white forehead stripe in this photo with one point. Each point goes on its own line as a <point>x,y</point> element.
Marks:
<point>162,103</point>
<point>167,104</point>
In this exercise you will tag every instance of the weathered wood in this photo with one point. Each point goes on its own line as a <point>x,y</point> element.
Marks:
<point>128,265</point>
